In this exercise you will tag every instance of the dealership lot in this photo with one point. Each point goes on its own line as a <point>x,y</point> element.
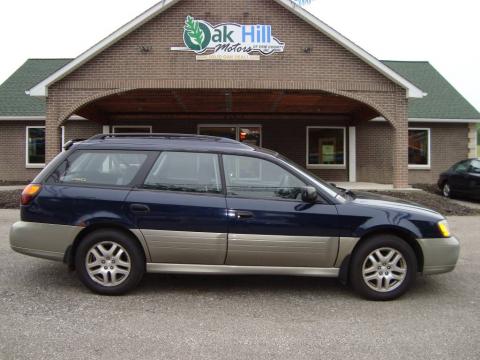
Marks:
<point>45,313</point>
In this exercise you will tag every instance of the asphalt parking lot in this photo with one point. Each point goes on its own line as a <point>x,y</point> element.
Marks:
<point>45,313</point>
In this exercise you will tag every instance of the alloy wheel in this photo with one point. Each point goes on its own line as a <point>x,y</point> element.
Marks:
<point>384,269</point>
<point>108,263</point>
<point>446,190</point>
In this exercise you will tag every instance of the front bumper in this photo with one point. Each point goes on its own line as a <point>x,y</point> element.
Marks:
<point>47,241</point>
<point>439,255</point>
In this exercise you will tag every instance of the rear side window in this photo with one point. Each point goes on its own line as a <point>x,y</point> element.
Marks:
<point>100,168</point>
<point>185,172</point>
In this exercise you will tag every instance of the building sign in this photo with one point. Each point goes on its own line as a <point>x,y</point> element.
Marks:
<point>229,41</point>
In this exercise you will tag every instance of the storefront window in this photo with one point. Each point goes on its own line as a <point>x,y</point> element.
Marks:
<point>326,147</point>
<point>419,147</point>
<point>251,135</point>
<point>35,146</point>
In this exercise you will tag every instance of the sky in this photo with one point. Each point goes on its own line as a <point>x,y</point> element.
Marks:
<point>444,32</point>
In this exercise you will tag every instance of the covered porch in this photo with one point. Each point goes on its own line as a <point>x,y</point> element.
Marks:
<point>329,134</point>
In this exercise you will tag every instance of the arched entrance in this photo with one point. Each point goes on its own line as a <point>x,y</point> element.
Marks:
<point>322,131</point>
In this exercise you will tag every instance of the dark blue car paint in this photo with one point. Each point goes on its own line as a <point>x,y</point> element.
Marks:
<point>178,211</point>
<point>89,205</point>
<point>277,217</point>
<point>78,206</point>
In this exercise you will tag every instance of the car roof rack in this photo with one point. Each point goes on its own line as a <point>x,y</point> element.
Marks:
<point>168,136</point>
<point>72,142</point>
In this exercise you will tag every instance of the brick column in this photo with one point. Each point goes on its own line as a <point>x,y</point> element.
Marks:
<point>52,133</point>
<point>400,146</point>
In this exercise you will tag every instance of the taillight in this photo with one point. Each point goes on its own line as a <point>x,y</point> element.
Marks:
<point>29,193</point>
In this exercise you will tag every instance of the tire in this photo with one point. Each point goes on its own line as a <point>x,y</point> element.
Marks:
<point>447,190</point>
<point>397,274</point>
<point>109,262</point>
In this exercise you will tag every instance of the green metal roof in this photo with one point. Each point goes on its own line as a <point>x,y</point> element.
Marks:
<point>442,102</point>
<point>13,100</point>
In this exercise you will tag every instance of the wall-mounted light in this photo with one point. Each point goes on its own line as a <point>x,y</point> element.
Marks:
<point>145,48</point>
<point>307,50</point>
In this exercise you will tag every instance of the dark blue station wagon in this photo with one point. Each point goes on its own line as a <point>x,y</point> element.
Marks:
<point>116,206</point>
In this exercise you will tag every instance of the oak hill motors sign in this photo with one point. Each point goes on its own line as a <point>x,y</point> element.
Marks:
<point>229,41</point>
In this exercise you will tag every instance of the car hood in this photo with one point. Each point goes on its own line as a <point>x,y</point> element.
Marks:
<point>387,202</point>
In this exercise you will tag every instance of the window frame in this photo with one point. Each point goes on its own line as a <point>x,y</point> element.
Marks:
<point>342,166</point>
<point>428,166</point>
<point>135,182</point>
<point>320,200</point>
<point>29,165</point>
<point>149,127</point>
<point>237,129</point>
<point>141,183</point>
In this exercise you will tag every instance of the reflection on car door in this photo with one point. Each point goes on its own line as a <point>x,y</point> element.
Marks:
<point>269,225</point>
<point>181,209</point>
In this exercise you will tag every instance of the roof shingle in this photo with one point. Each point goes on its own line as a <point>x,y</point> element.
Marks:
<point>13,100</point>
<point>443,100</point>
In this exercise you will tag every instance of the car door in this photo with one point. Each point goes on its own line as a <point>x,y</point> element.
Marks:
<point>473,186</point>
<point>458,180</point>
<point>269,225</point>
<point>180,209</point>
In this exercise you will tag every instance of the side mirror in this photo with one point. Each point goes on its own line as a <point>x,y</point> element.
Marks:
<point>309,194</point>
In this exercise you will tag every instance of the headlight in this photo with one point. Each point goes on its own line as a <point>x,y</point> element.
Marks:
<point>444,229</point>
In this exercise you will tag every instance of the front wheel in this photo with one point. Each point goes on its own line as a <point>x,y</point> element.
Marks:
<point>383,267</point>
<point>109,262</point>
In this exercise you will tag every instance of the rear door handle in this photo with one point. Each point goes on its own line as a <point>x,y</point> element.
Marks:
<point>241,214</point>
<point>139,208</point>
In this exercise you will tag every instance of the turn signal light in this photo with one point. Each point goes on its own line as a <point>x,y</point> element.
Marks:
<point>29,193</point>
<point>444,229</point>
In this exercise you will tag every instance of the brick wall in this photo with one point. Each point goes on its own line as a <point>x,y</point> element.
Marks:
<point>81,129</point>
<point>13,151</point>
<point>328,67</point>
<point>449,145</point>
<point>374,151</point>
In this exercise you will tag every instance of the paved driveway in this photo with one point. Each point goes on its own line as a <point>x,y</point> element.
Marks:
<point>45,313</point>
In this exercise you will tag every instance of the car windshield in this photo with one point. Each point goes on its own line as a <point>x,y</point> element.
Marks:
<point>329,188</point>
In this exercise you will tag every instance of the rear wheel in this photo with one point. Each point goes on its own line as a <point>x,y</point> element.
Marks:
<point>109,262</point>
<point>383,267</point>
<point>446,190</point>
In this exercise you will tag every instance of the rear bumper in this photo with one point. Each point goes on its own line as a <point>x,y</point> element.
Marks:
<point>47,241</point>
<point>439,255</point>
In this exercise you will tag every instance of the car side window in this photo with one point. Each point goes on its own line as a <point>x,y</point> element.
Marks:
<point>257,178</point>
<point>475,167</point>
<point>461,167</point>
<point>113,168</point>
<point>185,172</point>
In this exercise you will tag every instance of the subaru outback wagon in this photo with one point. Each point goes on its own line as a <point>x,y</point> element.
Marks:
<point>116,206</point>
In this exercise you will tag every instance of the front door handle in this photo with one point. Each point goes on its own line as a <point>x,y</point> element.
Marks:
<point>139,208</point>
<point>241,214</point>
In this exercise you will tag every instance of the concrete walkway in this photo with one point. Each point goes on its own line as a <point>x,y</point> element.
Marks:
<point>12,187</point>
<point>469,204</point>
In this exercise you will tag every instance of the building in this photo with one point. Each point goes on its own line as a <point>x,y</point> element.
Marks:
<point>291,84</point>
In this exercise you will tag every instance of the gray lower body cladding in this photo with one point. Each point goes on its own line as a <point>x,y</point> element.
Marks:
<point>196,252</point>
